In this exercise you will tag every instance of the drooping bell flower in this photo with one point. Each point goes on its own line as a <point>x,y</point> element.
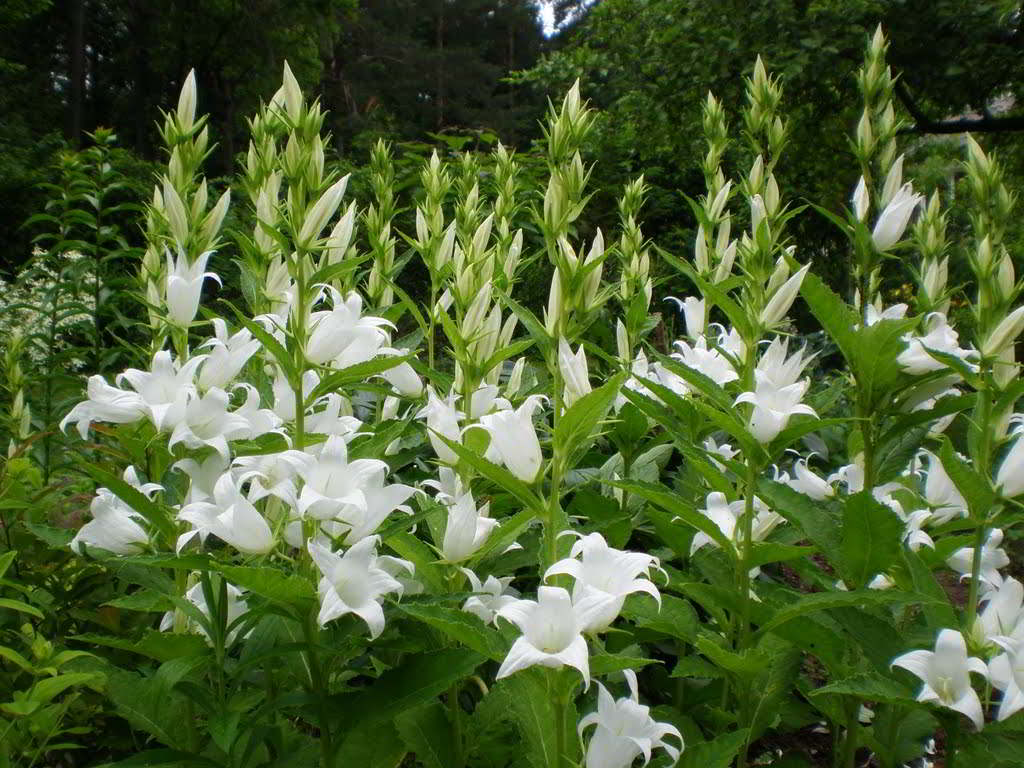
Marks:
<point>515,438</point>
<point>624,730</point>
<point>552,628</point>
<point>606,576</point>
<point>946,675</point>
<point>184,286</point>
<point>229,516</point>
<point>355,581</point>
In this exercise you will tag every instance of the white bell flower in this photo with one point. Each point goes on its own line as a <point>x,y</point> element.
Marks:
<point>165,389</point>
<point>573,366</point>
<point>184,286</point>
<point>778,366</point>
<point>726,515</point>
<point>774,406</point>
<point>946,675</point>
<point>624,730</point>
<point>709,362</point>
<point>342,335</point>
<point>230,517</point>
<point>105,403</point>
<point>467,528</point>
<point>226,357</point>
<point>203,476</point>
<point>207,421</point>
<point>941,494</point>
<point>552,627</point>
<point>115,525</point>
<point>272,474</point>
<point>606,576</point>
<point>236,608</point>
<point>337,488</point>
<point>332,415</point>
<point>939,336</point>
<point>354,582</point>
<point>893,220</point>
<point>993,557</point>
<point>515,439</point>
<point>1003,614</point>
<point>809,483</point>
<point>1006,671</point>
<point>489,597</point>
<point>1010,477</point>
<point>442,418</point>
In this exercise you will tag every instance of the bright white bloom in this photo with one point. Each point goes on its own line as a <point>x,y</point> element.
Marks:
<point>993,557</point>
<point>774,406</point>
<point>893,220</point>
<point>467,528</point>
<point>203,476</point>
<point>778,366</point>
<point>552,636</point>
<point>342,336</point>
<point>489,597</point>
<point>605,576</point>
<point>227,356</point>
<point>777,307</point>
<point>403,377</point>
<point>726,515</point>
<point>165,389</point>
<point>351,492</point>
<point>206,421</point>
<point>230,517</point>
<point>105,403</point>
<point>810,484</point>
<point>334,417</point>
<point>860,200</point>
<point>692,308</point>
<point>725,450</point>
<point>1002,615</point>
<point>1010,477</point>
<point>939,336</point>
<point>573,366</point>
<point>939,491</point>
<point>273,474</point>
<point>913,536</point>
<point>114,525</point>
<point>184,285</point>
<point>946,674</point>
<point>354,582</point>
<point>624,730</point>
<point>284,395</point>
<point>442,419</point>
<point>1004,334</point>
<point>236,608</point>
<point>873,315</point>
<point>515,439</point>
<point>1006,671</point>
<point>710,362</point>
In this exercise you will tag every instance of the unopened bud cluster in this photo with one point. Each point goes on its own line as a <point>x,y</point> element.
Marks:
<point>19,420</point>
<point>377,220</point>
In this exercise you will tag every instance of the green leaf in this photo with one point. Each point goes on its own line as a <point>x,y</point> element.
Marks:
<point>497,475</point>
<point>5,561</point>
<point>162,646</point>
<point>717,753</point>
<point>355,374</point>
<point>938,610</point>
<point>428,734</point>
<point>674,504</point>
<point>47,690</point>
<point>834,315</point>
<point>871,539</point>
<point>868,686</point>
<point>534,326</point>
<point>17,605</point>
<point>577,424</point>
<point>976,489</point>
<point>458,625</point>
<point>275,585</point>
<point>602,664</point>
<point>144,600</point>
<point>746,664</point>
<point>535,716</point>
<point>822,601</point>
<point>676,618</point>
<point>414,682</point>
<point>171,758</point>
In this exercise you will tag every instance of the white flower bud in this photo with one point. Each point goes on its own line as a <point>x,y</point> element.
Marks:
<point>321,213</point>
<point>783,299</point>
<point>860,200</point>
<point>177,219</point>
<point>187,102</point>
<point>893,182</point>
<point>292,94</point>
<point>1005,333</point>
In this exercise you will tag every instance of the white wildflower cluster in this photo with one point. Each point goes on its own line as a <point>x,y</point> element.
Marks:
<point>43,299</point>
